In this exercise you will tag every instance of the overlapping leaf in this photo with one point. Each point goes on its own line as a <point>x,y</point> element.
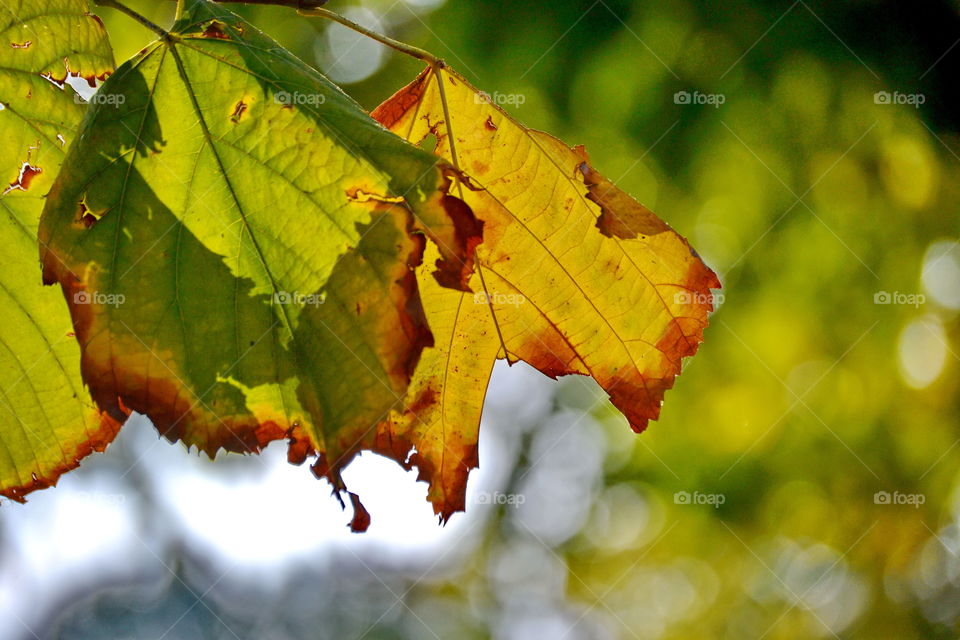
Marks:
<point>237,240</point>
<point>47,419</point>
<point>243,252</point>
<point>573,276</point>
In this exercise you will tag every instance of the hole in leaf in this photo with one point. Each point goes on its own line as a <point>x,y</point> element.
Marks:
<point>27,172</point>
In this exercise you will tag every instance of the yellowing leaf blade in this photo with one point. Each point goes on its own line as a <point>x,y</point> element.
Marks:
<point>237,241</point>
<point>573,276</point>
<point>47,419</point>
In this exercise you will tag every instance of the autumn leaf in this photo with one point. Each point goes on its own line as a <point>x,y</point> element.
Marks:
<point>47,419</point>
<point>573,277</point>
<point>42,44</point>
<point>237,240</point>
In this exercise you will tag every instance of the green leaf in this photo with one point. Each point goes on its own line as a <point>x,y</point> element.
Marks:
<point>237,239</point>
<point>47,419</point>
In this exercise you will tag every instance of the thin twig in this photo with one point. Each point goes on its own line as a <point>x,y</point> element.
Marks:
<point>436,67</point>
<point>295,4</point>
<point>312,8</point>
<point>113,4</point>
<point>300,5</point>
<point>402,47</point>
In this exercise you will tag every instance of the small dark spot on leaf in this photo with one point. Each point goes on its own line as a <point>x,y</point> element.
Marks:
<point>424,400</point>
<point>238,111</point>
<point>85,216</point>
<point>95,18</point>
<point>214,29</point>
<point>490,125</point>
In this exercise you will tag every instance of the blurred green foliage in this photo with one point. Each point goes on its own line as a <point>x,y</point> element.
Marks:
<point>808,198</point>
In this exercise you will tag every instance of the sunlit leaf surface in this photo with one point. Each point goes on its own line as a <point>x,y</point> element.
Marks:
<point>237,240</point>
<point>47,419</point>
<point>574,276</point>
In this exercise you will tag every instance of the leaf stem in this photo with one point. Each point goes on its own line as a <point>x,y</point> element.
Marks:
<point>402,47</point>
<point>113,4</point>
<point>300,5</point>
<point>436,66</point>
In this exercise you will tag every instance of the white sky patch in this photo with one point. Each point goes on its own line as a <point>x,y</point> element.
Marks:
<point>81,86</point>
<point>255,515</point>
<point>423,5</point>
<point>347,56</point>
<point>287,515</point>
<point>941,273</point>
<point>922,351</point>
<point>82,530</point>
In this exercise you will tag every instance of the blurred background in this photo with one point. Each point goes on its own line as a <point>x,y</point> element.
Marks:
<point>803,479</point>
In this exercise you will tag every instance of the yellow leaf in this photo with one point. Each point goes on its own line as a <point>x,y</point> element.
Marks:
<point>573,276</point>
